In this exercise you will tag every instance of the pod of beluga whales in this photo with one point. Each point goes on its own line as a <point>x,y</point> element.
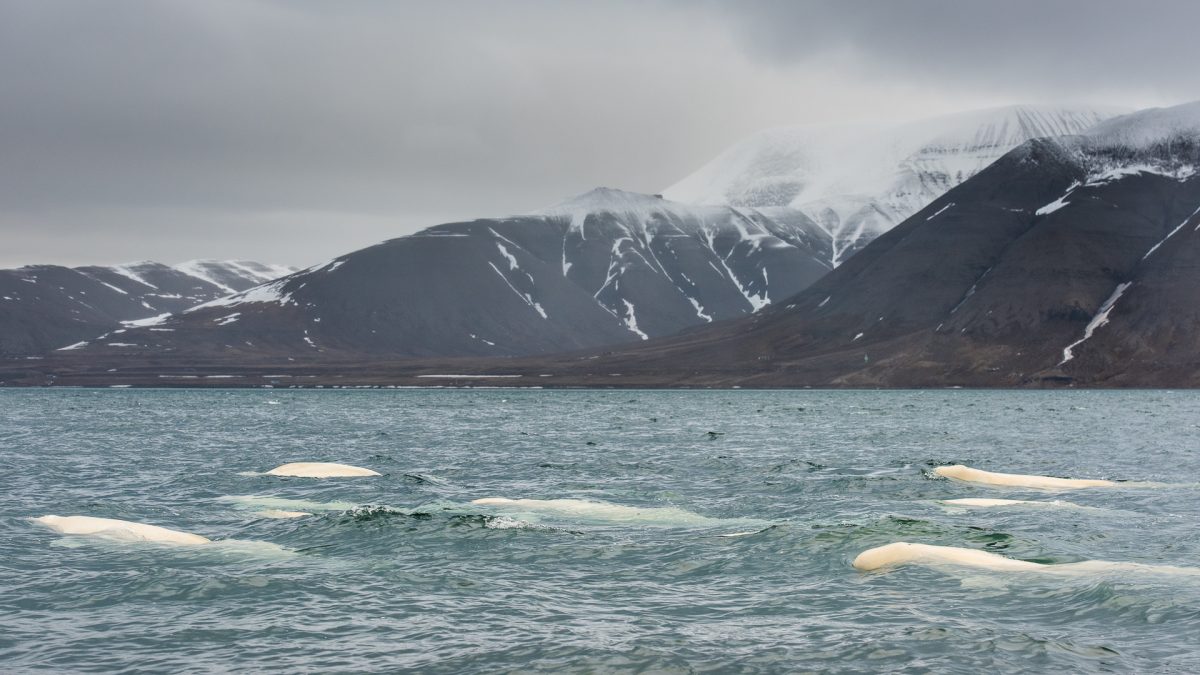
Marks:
<point>903,552</point>
<point>880,557</point>
<point>130,531</point>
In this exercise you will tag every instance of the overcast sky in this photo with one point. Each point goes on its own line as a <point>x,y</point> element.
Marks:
<point>294,131</point>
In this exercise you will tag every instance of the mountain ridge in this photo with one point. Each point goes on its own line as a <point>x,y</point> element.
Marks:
<point>604,267</point>
<point>858,180</point>
<point>46,307</point>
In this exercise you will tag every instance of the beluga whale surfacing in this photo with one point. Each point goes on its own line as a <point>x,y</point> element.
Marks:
<point>129,532</point>
<point>970,475</point>
<point>582,509</point>
<point>320,470</point>
<point>124,530</point>
<point>903,552</point>
<point>985,502</point>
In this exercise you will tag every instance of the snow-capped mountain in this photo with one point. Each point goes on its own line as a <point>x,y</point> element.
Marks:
<point>605,267</point>
<point>45,307</point>
<point>859,181</point>
<point>1071,260</point>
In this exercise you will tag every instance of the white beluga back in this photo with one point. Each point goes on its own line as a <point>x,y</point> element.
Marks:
<point>601,511</point>
<point>903,553</point>
<point>984,502</point>
<point>970,475</point>
<point>124,530</point>
<point>320,470</point>
<point>280,513</point>
<point>282,507</point>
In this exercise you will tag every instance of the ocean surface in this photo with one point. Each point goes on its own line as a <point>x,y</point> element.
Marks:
<point>752,507</point>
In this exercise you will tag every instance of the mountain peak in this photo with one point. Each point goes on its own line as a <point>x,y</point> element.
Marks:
<point>604,199</point>
<point>858,181</point>
<point>1149,127</point>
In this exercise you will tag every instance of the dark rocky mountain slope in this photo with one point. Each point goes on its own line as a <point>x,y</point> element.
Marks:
<point>604,268</point>
<point>1068,261</point>
<point>46,307</point>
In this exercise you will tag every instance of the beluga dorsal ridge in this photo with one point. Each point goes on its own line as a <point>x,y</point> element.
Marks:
<point>320,470</point>
<point>970,475</point>
<point>903,552</point>
<point>984,502</point>
<point>125,530</point>
<point>668,516</point>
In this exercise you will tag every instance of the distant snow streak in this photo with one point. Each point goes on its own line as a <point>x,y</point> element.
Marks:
<point>1097,321</point>
<point>940,211</point>
<point>1171,234</point>
<point>524,296</point>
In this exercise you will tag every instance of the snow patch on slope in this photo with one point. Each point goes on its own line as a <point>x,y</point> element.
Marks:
<point>1057,203</point>
<point>1100,319</point>
<point>630,320</point>
<point>270,293</point>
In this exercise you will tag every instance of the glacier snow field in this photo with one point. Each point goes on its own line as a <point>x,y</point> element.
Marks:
<point>594,531</point>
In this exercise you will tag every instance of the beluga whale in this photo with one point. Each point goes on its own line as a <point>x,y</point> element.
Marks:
<point>123,530</point>
<point>126,531</point>
<point>581,509</point>
<point>970,475</point>
<point>985,502</point>
<point>903,553</point>
<point>320,470</point>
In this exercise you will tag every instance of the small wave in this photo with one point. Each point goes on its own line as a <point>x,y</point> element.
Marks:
<point>507,523</point>
<point>369,513</point>
<point>424,479</point>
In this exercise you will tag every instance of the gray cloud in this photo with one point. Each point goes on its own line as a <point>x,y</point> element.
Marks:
<point>1040,48</point>
<point>293,131</point>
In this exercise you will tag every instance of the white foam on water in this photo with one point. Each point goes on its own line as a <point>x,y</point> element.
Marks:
<point>902,553</point>
<point>507,523</point>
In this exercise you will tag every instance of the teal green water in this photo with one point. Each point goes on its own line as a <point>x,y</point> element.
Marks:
<point>403,573</point>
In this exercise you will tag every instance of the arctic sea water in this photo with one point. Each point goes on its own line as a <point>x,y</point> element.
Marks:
<point>402,572</point>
